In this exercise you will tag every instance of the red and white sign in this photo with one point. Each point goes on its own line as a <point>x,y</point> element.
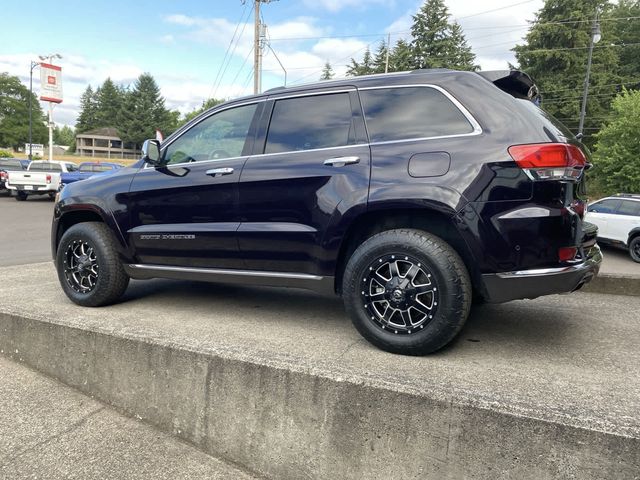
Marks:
<point>50,83</point>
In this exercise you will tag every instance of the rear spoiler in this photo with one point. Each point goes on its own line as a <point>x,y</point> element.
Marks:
<point>516,83</point>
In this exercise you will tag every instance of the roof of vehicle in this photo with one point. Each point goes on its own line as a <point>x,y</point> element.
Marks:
<point>108,164</point>
<point>619,196</point>
<point>378,79</point>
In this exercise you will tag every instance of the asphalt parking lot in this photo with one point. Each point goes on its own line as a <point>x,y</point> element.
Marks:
<point>25,232</point>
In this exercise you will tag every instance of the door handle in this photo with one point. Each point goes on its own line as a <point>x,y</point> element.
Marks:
<point>219,172</point>
<point>341,161</point>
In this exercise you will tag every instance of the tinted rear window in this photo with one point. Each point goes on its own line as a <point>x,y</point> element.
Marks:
<point>45,167</point>
<point>307,123</point>
<point>411,112</point>
<point>11,164</point>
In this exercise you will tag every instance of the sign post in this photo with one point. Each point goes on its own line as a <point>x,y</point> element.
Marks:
<point>50,91</point>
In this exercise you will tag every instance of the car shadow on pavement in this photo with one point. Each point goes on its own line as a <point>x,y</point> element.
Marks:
<point>270,301</point>
<point>521,324</point>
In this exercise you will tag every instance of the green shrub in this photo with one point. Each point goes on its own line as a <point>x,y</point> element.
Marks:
<point>5,154</point>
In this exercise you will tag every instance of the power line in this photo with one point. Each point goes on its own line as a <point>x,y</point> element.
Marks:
<point>226,53</point>
<point>593,87</point>
<point>493,27</point>
<point>233,51</point>
<point>495,9</point>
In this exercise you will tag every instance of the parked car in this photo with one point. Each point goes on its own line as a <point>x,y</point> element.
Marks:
<point>87,170</point>
<point>618,221</point>
<point>407,194</point>
<point>41,178</point>
<point>8,165</point>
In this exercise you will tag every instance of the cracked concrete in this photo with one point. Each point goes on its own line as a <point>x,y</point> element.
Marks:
<point>49,431</point>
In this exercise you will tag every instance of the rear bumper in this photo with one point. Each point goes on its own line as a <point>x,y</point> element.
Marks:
<point>506,286</point>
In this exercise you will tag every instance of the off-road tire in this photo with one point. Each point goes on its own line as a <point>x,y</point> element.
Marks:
<point>112,281</point>
<point>634,248</point>
<point>448,272</point>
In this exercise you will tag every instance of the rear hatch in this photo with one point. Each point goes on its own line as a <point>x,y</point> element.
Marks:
<point>556,167</point>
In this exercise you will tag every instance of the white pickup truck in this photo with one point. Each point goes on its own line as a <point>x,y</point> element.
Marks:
<point>42,177</point>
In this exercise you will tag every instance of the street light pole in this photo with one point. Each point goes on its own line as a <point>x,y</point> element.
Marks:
<point>596,35</point>
<point>31,67</point>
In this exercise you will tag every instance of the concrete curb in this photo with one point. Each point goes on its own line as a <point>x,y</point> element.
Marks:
<point>617,284</point>
<point>296,423</point>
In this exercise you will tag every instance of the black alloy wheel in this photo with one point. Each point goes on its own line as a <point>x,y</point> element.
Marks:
<point>399,293</point>
<point>81,267</point>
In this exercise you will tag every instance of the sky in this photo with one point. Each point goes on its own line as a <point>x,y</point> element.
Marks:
<point>198,49</point>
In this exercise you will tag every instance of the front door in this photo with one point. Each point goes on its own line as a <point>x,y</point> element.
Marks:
<point>186,213</point>
<point>312,166</point>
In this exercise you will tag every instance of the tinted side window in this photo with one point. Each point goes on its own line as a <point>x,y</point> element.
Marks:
<point>629,207</point>
<point>306,123</point>
<point>605,206</point>
<point>222,135</point>
<point>411,112</point>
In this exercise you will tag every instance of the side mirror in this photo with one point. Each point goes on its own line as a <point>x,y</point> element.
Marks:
<point>151,152</point>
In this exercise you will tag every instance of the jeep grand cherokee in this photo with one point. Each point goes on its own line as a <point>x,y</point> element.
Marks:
<point>407,194</point>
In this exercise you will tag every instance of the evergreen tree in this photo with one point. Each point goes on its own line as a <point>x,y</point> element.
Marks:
<point>327,72</point>
<point>380,58</point>
<point>206,105</point>
<point>361,68</point>
<point>109,104</point>
<point>555,55</point>
<point>144,111</point>
<point>63,136</point>
<point>88,117</point>
<point>438,43</point>
<point>401,58</point>
<point>14,114</point>
<point>626,29</point>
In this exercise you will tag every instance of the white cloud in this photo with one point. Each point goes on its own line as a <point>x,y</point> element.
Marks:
<point>337,5</point>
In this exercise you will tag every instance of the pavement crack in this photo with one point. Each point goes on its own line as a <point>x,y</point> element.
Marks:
<point>348,348</point>
<point>74,426</point>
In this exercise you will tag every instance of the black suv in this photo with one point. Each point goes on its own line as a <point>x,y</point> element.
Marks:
<point>408,194</point>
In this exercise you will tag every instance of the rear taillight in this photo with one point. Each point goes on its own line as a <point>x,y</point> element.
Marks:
<point>3,176</point>
<point>566,254</point>
<point>550,161</point>
<point>48,179</point>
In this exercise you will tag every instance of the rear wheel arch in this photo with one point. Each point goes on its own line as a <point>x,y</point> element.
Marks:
<point>432,221</point>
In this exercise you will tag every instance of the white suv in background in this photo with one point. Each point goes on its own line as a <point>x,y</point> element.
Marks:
<point>618,221</point>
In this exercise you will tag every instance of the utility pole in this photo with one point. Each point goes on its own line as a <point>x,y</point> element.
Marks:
<point>596,35</point>
<point>258,34</point>
<point>386,62</point>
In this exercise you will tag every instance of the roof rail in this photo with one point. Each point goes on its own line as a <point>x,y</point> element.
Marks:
<point>627,195</point>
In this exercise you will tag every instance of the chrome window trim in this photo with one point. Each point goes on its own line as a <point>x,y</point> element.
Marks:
<point>477,129</point>
<point>313,93</point>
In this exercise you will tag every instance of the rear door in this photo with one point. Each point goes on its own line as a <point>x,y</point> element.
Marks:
<point>185,214</point>
<point>311,166</point>
<point>627,218</point>
<point>601,213</point>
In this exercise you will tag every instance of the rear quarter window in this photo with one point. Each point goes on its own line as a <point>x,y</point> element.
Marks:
<point>629,207</point>
<point>411,112</point>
